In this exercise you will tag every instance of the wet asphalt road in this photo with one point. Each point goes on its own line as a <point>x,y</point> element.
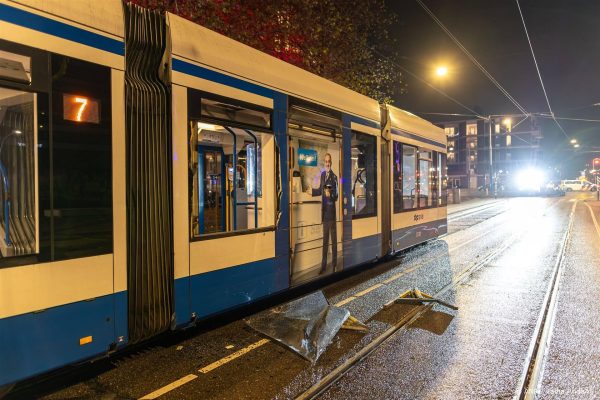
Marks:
<point>478,351</point>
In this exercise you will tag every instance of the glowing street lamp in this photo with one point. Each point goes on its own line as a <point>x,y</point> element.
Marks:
<point>441,71</point>
<point>576,145</point>
<point>573,141</point>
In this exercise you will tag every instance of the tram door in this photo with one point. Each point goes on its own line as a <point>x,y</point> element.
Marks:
<point>315,162</point>
<point>212,189</point>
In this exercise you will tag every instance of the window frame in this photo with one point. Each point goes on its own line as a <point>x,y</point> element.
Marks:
<point>376,176</point>
<point>434,162</point>
<point>194,116</point>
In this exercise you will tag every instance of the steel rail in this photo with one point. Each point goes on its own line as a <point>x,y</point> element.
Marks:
<point>530,379</point>
<point>333,376</point>
<point>471,211</point>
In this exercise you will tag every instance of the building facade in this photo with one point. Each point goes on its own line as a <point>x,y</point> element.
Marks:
<point>515,145</point>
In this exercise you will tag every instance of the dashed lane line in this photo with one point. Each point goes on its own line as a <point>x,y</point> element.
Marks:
<point>368,290</point>
<point>169,387</point>
<point>261,342</point>
<point>233,356</point>
<point>345,301</point>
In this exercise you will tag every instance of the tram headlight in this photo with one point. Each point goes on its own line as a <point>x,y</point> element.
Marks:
<point>530,179</point>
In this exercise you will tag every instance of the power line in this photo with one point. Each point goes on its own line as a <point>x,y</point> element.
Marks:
<point>538,70</point>
<point>569,119</point>
<point>471,57</point>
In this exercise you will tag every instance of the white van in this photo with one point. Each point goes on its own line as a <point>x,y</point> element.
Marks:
<point>569,186</point>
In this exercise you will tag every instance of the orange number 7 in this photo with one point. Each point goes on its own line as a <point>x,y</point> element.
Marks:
<point>83,103</point>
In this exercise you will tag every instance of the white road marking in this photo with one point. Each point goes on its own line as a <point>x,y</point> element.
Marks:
<point>233,356</point>
<point>368,290</point>
<point>594,219</point>
<point>340,303</point>
<point>345,301</point>
<point>169,387</point>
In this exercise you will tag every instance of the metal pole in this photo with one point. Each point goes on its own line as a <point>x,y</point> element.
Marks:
<point>491,161</point>
<point>255,177</point>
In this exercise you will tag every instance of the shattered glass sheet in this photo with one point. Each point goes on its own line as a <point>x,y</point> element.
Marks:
<point>306,325</point>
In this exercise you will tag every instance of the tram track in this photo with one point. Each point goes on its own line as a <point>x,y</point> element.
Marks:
<point>471,211</point>
<point>531,377</point>
<point>413,315</point>
<point>461,245</point>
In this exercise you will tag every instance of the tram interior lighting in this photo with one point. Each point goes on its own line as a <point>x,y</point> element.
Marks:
<point>530,179</point>
<point>208,127</point>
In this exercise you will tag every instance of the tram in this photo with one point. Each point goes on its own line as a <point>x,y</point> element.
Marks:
<point>155,173</point>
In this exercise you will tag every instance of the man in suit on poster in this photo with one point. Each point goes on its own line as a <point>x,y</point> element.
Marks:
<point>328,190</point>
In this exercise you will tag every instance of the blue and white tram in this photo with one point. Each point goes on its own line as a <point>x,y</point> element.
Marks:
<point>154,173</point>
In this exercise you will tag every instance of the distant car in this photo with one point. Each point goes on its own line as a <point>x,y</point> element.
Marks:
<point>592,187</point>
<point>570,185</point>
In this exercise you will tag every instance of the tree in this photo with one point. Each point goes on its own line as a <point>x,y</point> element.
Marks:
<point>341,40</point>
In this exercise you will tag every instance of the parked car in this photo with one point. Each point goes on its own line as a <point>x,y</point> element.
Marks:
<point>570,185</point>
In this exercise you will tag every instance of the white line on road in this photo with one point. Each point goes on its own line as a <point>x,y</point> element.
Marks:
<point>169,387</point>
<point>233,356</point>
<point>594,219</point>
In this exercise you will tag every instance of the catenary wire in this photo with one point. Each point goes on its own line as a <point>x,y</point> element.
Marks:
<point>471,57</point>
<point>537,68</point>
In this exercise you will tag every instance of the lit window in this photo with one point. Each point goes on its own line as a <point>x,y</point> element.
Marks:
<point>364,174</point>
<point>508,140</point>
<point>497,128</point>
<point>230,198</point>
<point>449,131</point>
<point>471,129</point>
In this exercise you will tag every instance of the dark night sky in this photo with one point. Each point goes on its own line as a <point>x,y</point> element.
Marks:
<point>566,40</point>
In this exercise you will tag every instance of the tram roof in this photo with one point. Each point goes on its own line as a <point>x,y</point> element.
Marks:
<point>220,53</point>
<point>411,123</point>
<point>104,16</point>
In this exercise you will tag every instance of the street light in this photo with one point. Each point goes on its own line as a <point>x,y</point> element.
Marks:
<point>573,141</point>
<point>576,145</point>
<point>441,71</point>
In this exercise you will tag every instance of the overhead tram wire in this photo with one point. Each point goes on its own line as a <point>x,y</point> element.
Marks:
<point>428,84</point>
<point>567,118</point>
<point>471,57</point>
<point>538,70</point>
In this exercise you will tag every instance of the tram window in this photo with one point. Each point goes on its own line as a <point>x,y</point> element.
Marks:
<point>443,174</point>
<point>18,161</point>
<point>435,190</point>
<point>409,177</point>
<point>364,174</point>
<point>233,184</point>
<point>81,207</point>
<point>397,176</point>
<point>425,186</point>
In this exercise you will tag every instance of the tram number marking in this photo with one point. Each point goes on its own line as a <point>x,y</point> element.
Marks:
<point>418,217</point>
<point>83,103</point>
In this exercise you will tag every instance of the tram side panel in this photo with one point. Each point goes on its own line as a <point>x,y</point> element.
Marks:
<point>227,195</point>
<point>57,279</point>
<point>418,192</point>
